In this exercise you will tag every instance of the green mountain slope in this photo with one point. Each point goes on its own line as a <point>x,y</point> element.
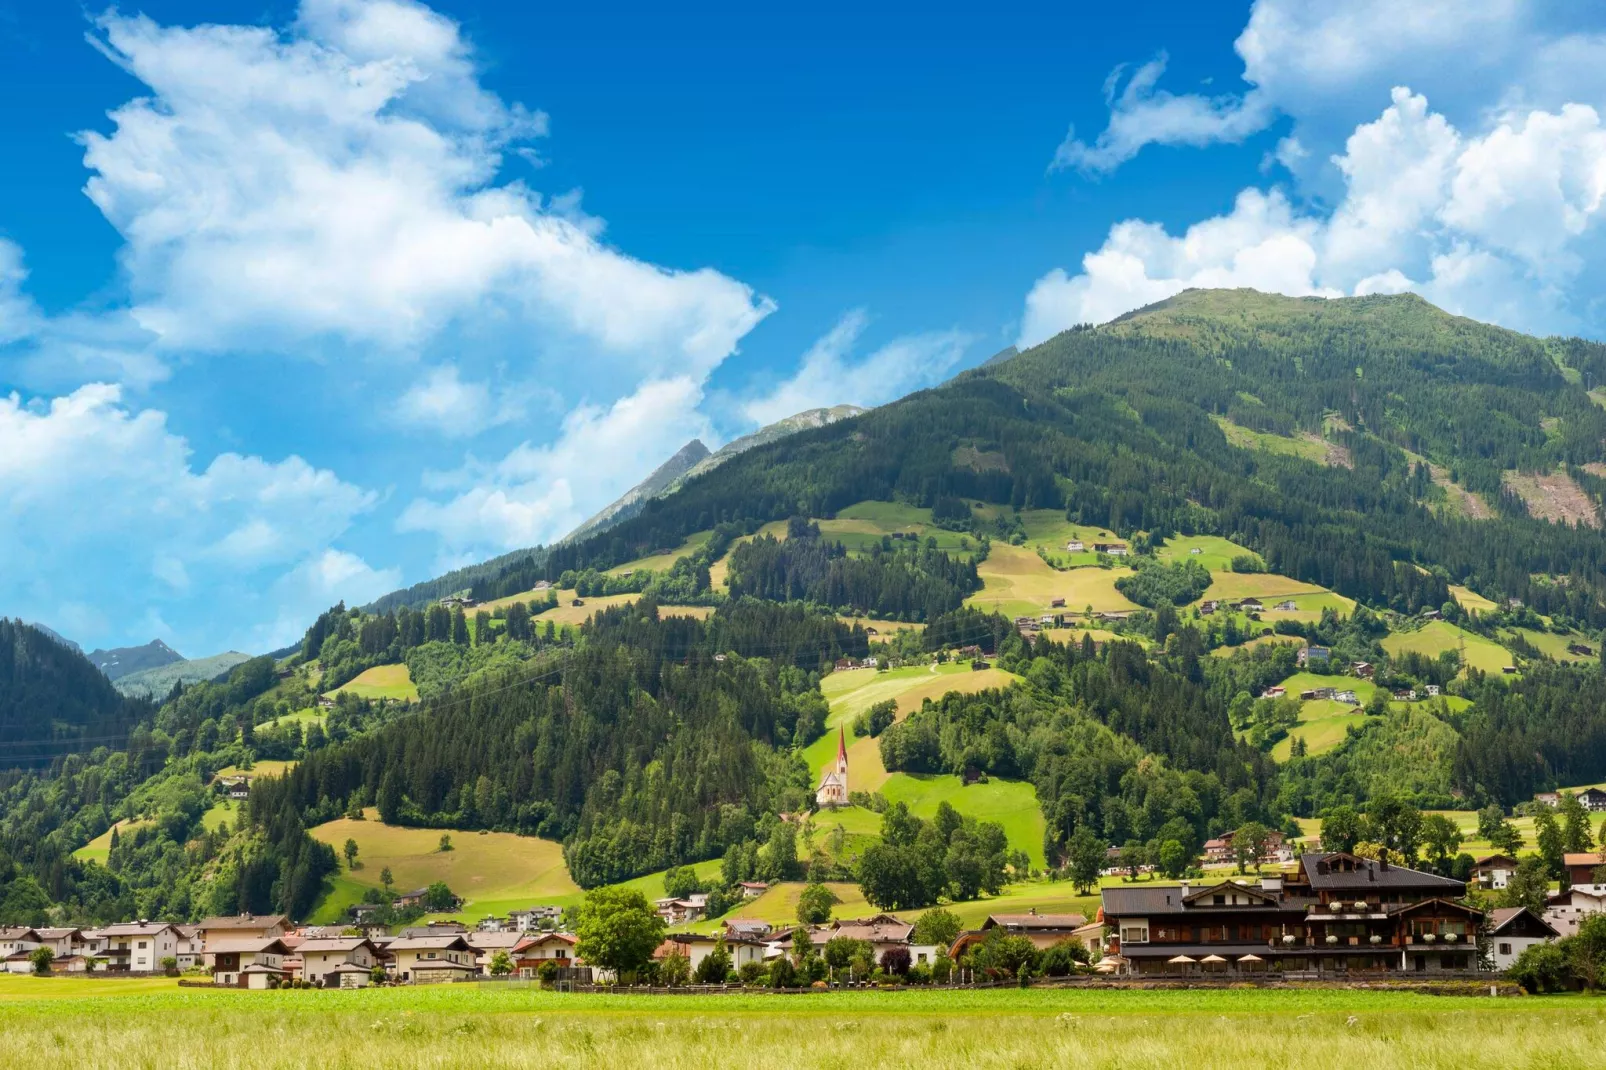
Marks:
<point>157,681</point>
<point>127,660</point>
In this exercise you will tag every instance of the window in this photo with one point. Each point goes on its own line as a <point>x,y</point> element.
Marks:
<point>1505,949</point>
<point>1135,933</point>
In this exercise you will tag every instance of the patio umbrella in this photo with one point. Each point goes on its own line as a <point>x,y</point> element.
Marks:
<point>1249,958</point>
<point>1181,960</point>
<point>1104,968</point>
<point>1212,958</point>
<point>1111,961</point>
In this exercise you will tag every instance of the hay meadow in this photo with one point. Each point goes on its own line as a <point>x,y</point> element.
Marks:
<point>139,1024</point>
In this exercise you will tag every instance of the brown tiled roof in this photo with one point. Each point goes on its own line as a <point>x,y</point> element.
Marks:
<point>1035,921</point>
<point>430,943</point>
<point>271,945</point>
<point>150,928</point>
<point>333,944</point>
<point>245,921</point>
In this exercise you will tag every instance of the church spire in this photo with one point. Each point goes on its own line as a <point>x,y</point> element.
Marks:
<point>841,750</point>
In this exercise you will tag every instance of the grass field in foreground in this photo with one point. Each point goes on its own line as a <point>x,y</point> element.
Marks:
<point>487,870</point>
<point>381,681</point>
<point>155,1023</point>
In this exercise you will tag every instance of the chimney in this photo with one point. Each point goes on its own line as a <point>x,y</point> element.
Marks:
<point>1371,874</point>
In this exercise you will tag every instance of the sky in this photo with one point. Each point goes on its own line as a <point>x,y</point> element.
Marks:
<point>302,302</point>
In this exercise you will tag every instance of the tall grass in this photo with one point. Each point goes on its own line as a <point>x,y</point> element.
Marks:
<point>463,1026</point>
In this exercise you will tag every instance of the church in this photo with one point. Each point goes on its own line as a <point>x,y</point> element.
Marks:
<point>833,789</point>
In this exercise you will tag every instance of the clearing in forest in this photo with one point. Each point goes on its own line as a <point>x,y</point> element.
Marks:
<point>1437,636</point>
<point>1554,496</point>
<point>381,681</point>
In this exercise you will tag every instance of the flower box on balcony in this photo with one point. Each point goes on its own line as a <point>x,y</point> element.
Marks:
<point>1289,939</point>
<point>1426,938</point>
<point>1331,939</point>
<point>1376,939</point>
<point>1451,938</point>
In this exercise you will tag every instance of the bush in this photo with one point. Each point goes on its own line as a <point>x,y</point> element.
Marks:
<point>895,960</point>
<point>750,973</point>
<point>1542,968</point>
<point>1062,958</point>
<point>1156,584</point>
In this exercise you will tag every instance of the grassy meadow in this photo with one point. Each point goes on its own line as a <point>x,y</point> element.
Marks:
<point>1437,636</point>
<point>155,1024</point>
<point>381,681</point>
<point>494,872</point>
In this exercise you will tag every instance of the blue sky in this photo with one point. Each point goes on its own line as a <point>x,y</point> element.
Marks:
<point>303,301</point>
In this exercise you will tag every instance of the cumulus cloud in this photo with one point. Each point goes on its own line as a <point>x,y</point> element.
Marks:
<point>828,374</point>
<point>538,493</point>
<point>338,180</point>
<point>1325,65</point>
<point>1501,226</point>
<point>91,489</point>
<point>442,401</point>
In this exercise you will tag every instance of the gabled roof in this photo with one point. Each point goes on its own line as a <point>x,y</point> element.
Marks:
<point>1034,920</point>
<point>1412,908</point>
<point>430,943</point>
<point>1500,917</point>
<point>1168,899</point>
<point>1197,898</point>
<point>1583,858</point>
<point>149,928</point>
<point>271,945</point>
<point>57,934</point>
<point>335,945</point>
<point>493,941</point>
<point>1496,860</point>
<point>546,938</point>
<point>21,932</point>
<point>245,921</point>
<point>1338,871</point>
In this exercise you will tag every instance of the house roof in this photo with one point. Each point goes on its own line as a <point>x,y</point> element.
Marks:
<point>271,945</point>
<point>245,921</point>
<point>259,967</point>
<point>56,934</point>
<point>20,932</point>
<point>1500,917</point>
<point>1164,899</point>
<point>1583,858</point>
<point>1492,860</point>
<point>1336,871</point>
<point>1034,920</point>
<point>1411,908</point>
<point>430,943</point>
<point>334,944</point>
<point>149,928</point>
<point>546,938</point>
<point>493,941</point>
<point>352,967</point>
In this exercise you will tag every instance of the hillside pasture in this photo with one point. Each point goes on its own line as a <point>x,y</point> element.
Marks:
<point>264,767</point>
<point>662,562</point>
<point>1555,646</point>
<point>493,871</point>
<point>99,849</point>
<point>380,682</point>
<point>1215,553</point>
<point>1011,803</point>
<point>1308,447</point>
<point>1231,586</point>
<point>1016,582</point>
<point>719,571</point>
<point>1435,637</point>
<point>1471,600</point>
<point>884,628</point>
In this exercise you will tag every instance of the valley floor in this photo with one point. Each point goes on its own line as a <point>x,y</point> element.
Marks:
<point>137,1023</point>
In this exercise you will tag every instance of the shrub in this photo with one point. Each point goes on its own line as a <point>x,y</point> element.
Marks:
<point>1541,968</point>
<point>895,960</point>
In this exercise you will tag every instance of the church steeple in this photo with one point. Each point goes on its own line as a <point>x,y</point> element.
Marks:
<point>841,751</point>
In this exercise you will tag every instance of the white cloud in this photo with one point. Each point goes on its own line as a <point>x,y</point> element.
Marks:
<point>443,402</point>
<point>1142,115</point>
<point>538,493</point>
<point>829,376</point>
<point>104,519</point>
<point>312,587</point>
<point>339,181</point>
<point>1325,65</point>
<point>1502,226</point>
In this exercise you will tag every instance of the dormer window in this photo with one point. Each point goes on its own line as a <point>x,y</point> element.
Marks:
<point>1218,900</point>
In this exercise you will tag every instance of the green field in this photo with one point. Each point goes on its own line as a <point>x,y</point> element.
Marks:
<point>265,767</point>
<point>300,717</point>
<point>1471,600</point>
<point>1011,803</point>
<point>142,1023</point>
<point>381,681</point>
<point>1215,553</point>
<point>859,526</point>
<point>1437,636</point>
<point>1555,646</point>
<point>99,848</point>
<point>493,871</point>
<point>661,562</point>
<point>1016,582</point>
<point>1310,448</point>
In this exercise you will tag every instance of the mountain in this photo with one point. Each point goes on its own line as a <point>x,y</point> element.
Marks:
<point>1001,356</point>
<point>57,636</point>
<point>53,700</point>
<point>630,503</point>
<point>803,421</point>
<point>693,460</point>
<point>125,660</point>
<point>158,680</point>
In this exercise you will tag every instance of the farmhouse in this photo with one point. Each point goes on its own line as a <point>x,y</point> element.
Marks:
<point>1581,866</point>
<point>1287,605</point>
<point>1346,696</point>
<point>752,889</point>
<point>531,918</point>
<point>321,958</point>
<point>678,911</point>
<point>1075,546</point>
<point>425,960</point>
<point>486,945</point>
<point>137,948</point>
<point>1338,915</point>
<point>698,946</point>
<point>1564,910</point>
<point>1249,605</point>
<point>533,951</point>
<point>1494,871</point>
<point>1274,692</point>
<point>1513,930</point>
<point>247,961</point>
<point>1209,606</point>
<point>1043,930</point>
<point>1594,799</point>
<point>16,945</point>
<point>1363,669</point>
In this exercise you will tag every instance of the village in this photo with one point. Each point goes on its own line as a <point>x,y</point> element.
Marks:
<point>1311,916</point>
